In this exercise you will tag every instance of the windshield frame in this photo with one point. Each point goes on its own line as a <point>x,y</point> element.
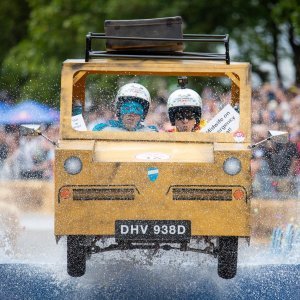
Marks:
<point>74,73</point>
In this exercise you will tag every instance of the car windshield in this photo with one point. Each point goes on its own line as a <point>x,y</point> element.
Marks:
<point>217,115</point>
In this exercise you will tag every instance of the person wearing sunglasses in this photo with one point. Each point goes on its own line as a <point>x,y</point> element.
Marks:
<point>184,109</point>
<point>131,106</point>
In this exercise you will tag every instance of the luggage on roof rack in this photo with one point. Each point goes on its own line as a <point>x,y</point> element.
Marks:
<point>160,38</point>
<point>170,27</point>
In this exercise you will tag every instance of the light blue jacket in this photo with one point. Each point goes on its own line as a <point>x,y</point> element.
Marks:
<point>113,125</point>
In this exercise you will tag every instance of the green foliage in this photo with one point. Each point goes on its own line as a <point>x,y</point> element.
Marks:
<point>14,15</point>
<point>288,11</point>
<point>31,76</point>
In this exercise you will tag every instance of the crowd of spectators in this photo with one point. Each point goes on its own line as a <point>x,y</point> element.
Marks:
<point>26,157</point>
<point>275,167</point>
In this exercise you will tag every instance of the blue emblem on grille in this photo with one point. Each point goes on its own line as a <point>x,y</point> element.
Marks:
<point>152,174</point>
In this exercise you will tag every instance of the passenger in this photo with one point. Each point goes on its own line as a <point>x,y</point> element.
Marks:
<point>184,109</point>
<point>131,106</point>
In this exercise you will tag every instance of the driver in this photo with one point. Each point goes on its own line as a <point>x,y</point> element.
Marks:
<point>131,105</point>
<point>184,109</point>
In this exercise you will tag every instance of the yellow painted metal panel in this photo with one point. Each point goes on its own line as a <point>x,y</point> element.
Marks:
<point>139,152</point>
<point>153,200</point>
<point>73,69</point>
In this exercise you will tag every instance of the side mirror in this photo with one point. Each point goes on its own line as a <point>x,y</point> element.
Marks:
<point>274,136</point>
<point>281,137</point>
<point>34,130</point>
<point>30,129</point>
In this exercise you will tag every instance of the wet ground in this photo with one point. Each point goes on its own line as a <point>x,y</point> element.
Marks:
<point>125,281</point>
<point>38,271</point>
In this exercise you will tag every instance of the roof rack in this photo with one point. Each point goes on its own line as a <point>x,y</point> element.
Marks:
<point>199,38</point>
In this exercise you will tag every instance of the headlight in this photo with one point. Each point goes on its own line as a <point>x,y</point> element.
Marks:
<point>232,166</point>
<point>73,165</point>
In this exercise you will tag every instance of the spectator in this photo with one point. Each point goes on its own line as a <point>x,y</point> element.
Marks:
<point>10,168</point>
<point>3,147</point>
<point>275,109</point>
<point>281,158</point>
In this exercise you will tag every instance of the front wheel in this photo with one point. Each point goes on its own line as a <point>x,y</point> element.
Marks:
<point>76,255</point>
<point>227,257</point>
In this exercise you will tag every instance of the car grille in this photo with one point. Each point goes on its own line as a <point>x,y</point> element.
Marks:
<point>103,193</point>
<point>194,193</point>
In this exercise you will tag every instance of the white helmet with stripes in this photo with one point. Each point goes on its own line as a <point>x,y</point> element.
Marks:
<point>183,99</point>
<point>133,92</point>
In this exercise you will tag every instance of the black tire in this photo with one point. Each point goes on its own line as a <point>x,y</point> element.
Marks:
<point>76,255</point>
<point>227,257</point>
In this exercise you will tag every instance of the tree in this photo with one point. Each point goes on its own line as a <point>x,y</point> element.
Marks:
<point>257,27</point>
<point>287,12</point>
<point>56,31</point>
<point>13,23</point>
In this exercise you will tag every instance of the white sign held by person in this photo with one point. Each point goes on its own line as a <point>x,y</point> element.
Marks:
<point>78,123</point>
<point>227,120</point>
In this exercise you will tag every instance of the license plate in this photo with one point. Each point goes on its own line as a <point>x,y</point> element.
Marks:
<point>153,230</point>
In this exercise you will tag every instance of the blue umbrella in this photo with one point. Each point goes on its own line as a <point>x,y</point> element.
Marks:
<point>4,105</point>
<point>30,112</point>
<point>4,109</point>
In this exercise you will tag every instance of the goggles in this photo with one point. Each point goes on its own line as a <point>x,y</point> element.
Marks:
<point>132,107</point>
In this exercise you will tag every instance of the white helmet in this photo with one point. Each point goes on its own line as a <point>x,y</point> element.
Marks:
<point>133,92</point>
<point>184,99</point>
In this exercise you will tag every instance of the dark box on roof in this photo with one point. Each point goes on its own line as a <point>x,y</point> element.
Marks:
<point>170,27</point>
